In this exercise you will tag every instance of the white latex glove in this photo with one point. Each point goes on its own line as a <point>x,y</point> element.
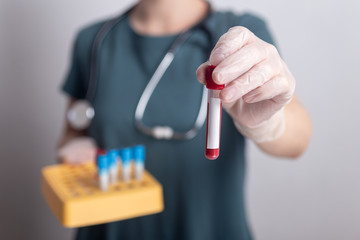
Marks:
<point>78,150</point>
<point>258,83</point>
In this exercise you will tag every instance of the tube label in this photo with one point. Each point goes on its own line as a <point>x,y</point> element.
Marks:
<point>213,137</point>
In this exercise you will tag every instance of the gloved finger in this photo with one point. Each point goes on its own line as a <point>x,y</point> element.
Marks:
<point>234,39</point>
<point>78,150</point>
<point>87,156</point>
<point>79,157</point>
<point>259,112</point>
<point>239,63</point>
<point>70,159</point>
<point>200,72</point>
<point>277,89</point>
<point>252,79</point>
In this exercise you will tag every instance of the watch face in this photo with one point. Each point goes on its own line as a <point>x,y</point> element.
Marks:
<point>80,115</point>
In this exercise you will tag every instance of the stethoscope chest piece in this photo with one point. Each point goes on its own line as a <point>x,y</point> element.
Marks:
<point>80,115</point>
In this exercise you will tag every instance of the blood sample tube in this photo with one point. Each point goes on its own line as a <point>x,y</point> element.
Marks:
<point>125,155</point>
<point>103,170</point>
<point>213,122</point>
<point>139,159</point>
<point>113,156</point>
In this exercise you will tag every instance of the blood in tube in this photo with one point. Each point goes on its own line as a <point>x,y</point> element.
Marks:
<point>213,122</point>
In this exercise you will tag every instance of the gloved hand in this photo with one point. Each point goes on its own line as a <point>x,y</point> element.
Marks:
<point>258,83</point>
<point>78,150</point>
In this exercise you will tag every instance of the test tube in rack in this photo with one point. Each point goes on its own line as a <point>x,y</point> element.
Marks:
<point>103,171</point>
<point>125,155</point>
<point>113,156</point>
<point>139,160</point>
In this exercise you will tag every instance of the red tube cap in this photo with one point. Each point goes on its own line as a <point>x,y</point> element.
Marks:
<point>210,84</point>
<point>100,152</point>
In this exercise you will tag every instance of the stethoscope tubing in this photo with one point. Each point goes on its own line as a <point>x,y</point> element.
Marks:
<point>158,132</point>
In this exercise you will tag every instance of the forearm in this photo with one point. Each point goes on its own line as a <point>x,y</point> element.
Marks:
<point>69,133</point>
<point>295,139</point>
<point>74,147</point>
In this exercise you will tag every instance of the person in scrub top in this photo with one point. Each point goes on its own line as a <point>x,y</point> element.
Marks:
<point>203,199</point>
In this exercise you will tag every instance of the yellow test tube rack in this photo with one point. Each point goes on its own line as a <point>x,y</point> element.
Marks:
<point>74,197</point>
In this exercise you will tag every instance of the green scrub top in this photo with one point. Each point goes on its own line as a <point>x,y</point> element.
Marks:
<point>203,199</point>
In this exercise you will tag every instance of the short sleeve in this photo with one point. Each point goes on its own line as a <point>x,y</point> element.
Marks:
<point>74,84</point>
<point>258,26</point>
<point>222,21</point>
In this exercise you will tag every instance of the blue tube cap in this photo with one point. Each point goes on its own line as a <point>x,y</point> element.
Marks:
<point>112,155</point>
<point>102,161</point>
<point>125,155</point>
<point>139,153</point>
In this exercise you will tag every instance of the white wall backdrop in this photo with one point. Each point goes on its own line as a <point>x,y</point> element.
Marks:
<point>315,197</point>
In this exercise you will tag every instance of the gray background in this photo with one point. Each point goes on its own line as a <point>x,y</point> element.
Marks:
<point>315,197</point>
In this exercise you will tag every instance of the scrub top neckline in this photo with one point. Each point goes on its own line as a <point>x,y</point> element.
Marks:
<point>146,36</point>
<point>167,36</point>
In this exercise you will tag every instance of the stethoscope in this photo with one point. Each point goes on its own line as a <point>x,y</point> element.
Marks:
<point>82,112</point>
